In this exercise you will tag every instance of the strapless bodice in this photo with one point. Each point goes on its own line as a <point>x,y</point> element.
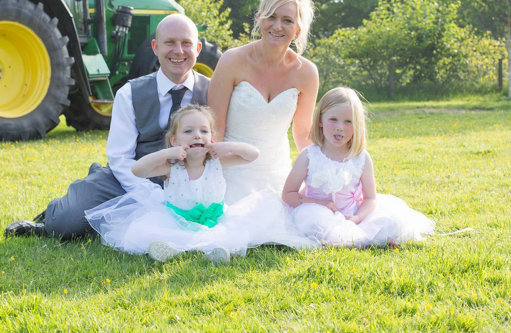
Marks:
<point>252,119</point>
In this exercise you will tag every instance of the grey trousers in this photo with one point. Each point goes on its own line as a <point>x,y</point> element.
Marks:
<point>65,217</point>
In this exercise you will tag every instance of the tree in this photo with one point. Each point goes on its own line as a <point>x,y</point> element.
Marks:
<point>499,12</point>
<point>489,15</point>
<point>218,23</point>
<point>330,15</point>
<point>406,42</point>
<point>241,14</point>
<point>334,14</point>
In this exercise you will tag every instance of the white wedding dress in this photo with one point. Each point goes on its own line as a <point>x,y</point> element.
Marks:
<point>251,119</point>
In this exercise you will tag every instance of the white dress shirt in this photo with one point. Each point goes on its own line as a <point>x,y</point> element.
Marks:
<point>122,138</point>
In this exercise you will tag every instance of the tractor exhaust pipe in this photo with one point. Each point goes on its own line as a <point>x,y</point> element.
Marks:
<point>86,18</point>
<point>100,20</point>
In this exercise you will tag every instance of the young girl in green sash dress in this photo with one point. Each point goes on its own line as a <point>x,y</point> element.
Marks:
<point>184,215</point>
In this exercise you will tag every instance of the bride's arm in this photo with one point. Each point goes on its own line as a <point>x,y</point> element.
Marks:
<point>308,86</point>
<point>220,91</point>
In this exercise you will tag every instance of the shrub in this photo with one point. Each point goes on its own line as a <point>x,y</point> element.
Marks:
<point>407,44</point>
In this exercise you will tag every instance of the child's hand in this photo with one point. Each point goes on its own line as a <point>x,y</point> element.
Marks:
<point>355,219</point>
<point>332,206</point>
<point>178,152</point>
<point>218,149</point>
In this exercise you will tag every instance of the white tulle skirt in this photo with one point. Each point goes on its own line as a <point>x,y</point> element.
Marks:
<point>392,220</point>
<point>133,221</point>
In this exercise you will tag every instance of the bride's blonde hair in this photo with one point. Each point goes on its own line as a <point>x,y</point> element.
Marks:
<point>338,97</point>
<point>305,16</point>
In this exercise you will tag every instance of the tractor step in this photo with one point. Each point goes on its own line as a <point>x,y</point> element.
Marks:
<point>102,101</point>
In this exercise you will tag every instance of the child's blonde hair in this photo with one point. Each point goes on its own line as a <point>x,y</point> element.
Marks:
<point>175,120</point>
<point>305,16</point>
<point>336,97</point>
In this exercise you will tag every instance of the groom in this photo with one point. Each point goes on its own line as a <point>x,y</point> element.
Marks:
<point>140,116</point>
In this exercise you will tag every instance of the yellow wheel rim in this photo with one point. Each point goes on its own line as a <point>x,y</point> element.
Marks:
<point>104,109</point>
<point>203,69</point>
<point>25,70</point>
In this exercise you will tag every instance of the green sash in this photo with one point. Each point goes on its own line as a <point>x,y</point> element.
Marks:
<point>200,214</point>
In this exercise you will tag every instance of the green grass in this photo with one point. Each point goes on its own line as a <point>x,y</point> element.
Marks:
<point>454,105</point>
<point>454,166</point>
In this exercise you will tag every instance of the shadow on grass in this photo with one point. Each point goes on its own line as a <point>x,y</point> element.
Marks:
<point>66,133</point>
<point>50,266</point>
<point>86,268</point>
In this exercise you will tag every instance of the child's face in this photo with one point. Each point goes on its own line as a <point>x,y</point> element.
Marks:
<point>193,131</point>
<point>337,125</point>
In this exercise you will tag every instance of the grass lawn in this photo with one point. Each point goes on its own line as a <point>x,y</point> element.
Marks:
<point>449,160</point>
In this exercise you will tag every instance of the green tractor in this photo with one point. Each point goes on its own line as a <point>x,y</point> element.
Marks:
<point>70,56</point>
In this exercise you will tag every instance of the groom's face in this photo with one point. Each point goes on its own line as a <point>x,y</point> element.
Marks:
<point>177,47</point>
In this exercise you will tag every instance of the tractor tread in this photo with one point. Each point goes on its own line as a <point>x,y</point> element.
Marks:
<point>45,116</point>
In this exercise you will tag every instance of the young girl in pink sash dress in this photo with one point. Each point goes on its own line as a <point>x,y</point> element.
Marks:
<point>338,206</point>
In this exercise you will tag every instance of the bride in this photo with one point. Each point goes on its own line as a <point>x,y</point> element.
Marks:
<point>258,89</point>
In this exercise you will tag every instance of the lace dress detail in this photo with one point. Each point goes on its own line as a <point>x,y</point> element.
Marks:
<point>330,176</point>
<point>180,191</point>
<point>391,220</point>
<point>251,119</point>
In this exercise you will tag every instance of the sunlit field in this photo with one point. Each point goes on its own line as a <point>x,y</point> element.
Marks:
<point>452,163</point>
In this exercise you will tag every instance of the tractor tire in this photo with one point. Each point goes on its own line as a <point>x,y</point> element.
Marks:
<point>145,61</point>
<point>208,58</point>
<point>83,117</point>
<point>35,71</point>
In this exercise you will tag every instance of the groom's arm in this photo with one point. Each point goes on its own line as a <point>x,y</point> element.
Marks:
<point>122,141</point>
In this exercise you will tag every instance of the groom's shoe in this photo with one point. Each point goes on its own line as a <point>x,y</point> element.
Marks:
<point>24,228</point>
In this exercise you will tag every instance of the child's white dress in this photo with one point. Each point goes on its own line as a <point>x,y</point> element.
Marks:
<point>133,221</point>
<point>391,220</point>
